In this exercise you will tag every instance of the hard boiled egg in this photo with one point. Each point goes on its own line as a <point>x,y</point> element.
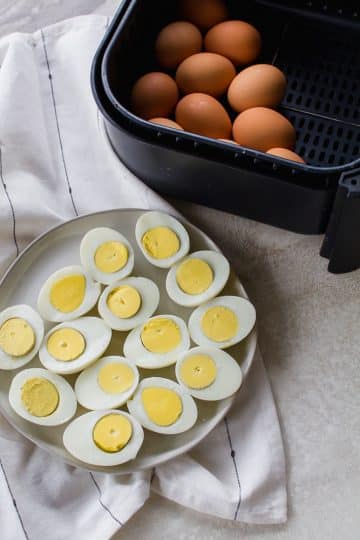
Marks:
<point>197,278</point>
<point>208,373</point>
<point>158,342</point>
<point>106,254</point>
<point>162,239</point>
<point>107,384</point>
<point>162,405</point>
<point>128,303</point>
<point>21,334</point>
<point>67,294</point>
<point>104,438</point>
<point>42,397</point>
<point>72,346</point>
<point>222,322</point>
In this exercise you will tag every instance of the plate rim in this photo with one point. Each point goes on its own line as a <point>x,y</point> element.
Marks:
<point>213,423</point>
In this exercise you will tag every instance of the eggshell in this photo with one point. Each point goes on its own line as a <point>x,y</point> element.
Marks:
<point>205,72</point>
<point>165,122</point>
<point>177,41</point>
<point>261,129</point>
<point>262,85</point>
<point>154,94</point>
<point>285,154</point>
<point>204,14</point>
<point>237,40</point>
<point>204,115</point>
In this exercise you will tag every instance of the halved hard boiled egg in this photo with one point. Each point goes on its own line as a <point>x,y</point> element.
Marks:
<point>197,278</point>
<point>163,406</point>
<point>222,322</point>
<point>74,345</point>
<point>208,373</point>
<point>107,255</point>
<point>128,303</point>
<point>67,294</point>
<point>42,397</point>
<point>158,342</point>
<point>107,384</point>
<point>104,438</point>
<point>21,334</point>
<point>162,239</point>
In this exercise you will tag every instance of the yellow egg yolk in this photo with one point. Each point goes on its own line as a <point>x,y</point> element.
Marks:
<point>17,337</point>
<point>40,397</point>
<point>112,432</point>
<point>198,371</point>
<point>160,335</point>
<point>116,378</point>
<point>219,324</point>
<point>163,406</point>
<point>160,242</point>
<point>124,302</point>
<point>111,257</point>
<point>194,276</point>
<point>68,293</point>
<point>66,344</point>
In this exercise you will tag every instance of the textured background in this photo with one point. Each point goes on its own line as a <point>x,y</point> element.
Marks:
<point>310,339</point>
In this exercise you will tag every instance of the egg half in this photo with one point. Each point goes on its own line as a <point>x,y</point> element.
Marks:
<point>21,334</point>
<point>128,303</point>
<point>158,342</point>
<point>197,278</point>
<point>162,239</point>
<point>208,373</point>
<point>42,397</point>
<point>222,322</point>
<point>72,346</point>
<point>67,294</point>
<point>106,254</point>
<point>107,384</point>
<point>163,406</point>
<point>104,438</point>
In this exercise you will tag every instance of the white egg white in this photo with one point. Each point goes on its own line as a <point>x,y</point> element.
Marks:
<point>221,270</point>
<point>150,297</point>
<point>228,377</point>
<point>78,440</point>
<point>23,311</point>
<point>67,400</point>
<point>135,350</point>
<point>187,418</point>
<point>90,394</point>
<point>150,220</point>
<point>50,313</point>
<point>244,311</point>
<point>97,336</point>
<point>92,240</point>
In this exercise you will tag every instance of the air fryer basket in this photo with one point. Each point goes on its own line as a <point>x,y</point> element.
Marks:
<point>317,46</point>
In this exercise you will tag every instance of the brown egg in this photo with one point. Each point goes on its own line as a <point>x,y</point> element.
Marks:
<point>154,94</point>
<point>204,13</point>
<point>204,115</point>
<point>261,129</point>
<point>285,154</point>
<point>262,85</point>
<point>237,40</point>
<point>208,73</point>
<point>176,42</point>
<point>165,122</point>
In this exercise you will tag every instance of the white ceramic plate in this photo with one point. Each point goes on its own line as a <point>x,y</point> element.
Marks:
<point>60,247</point>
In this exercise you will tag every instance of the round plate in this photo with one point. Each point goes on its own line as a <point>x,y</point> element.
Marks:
<point>60,247</point>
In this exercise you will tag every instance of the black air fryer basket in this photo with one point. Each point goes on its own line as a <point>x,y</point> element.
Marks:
<point>317,45</point>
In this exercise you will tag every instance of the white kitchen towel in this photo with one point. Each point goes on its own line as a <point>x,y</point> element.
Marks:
<point>56,163</point>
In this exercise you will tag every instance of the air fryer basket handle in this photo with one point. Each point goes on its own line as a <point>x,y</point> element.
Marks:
<point>342,243</point>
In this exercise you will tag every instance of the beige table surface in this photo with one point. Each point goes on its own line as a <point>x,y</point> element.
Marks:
<point>309,324</point>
